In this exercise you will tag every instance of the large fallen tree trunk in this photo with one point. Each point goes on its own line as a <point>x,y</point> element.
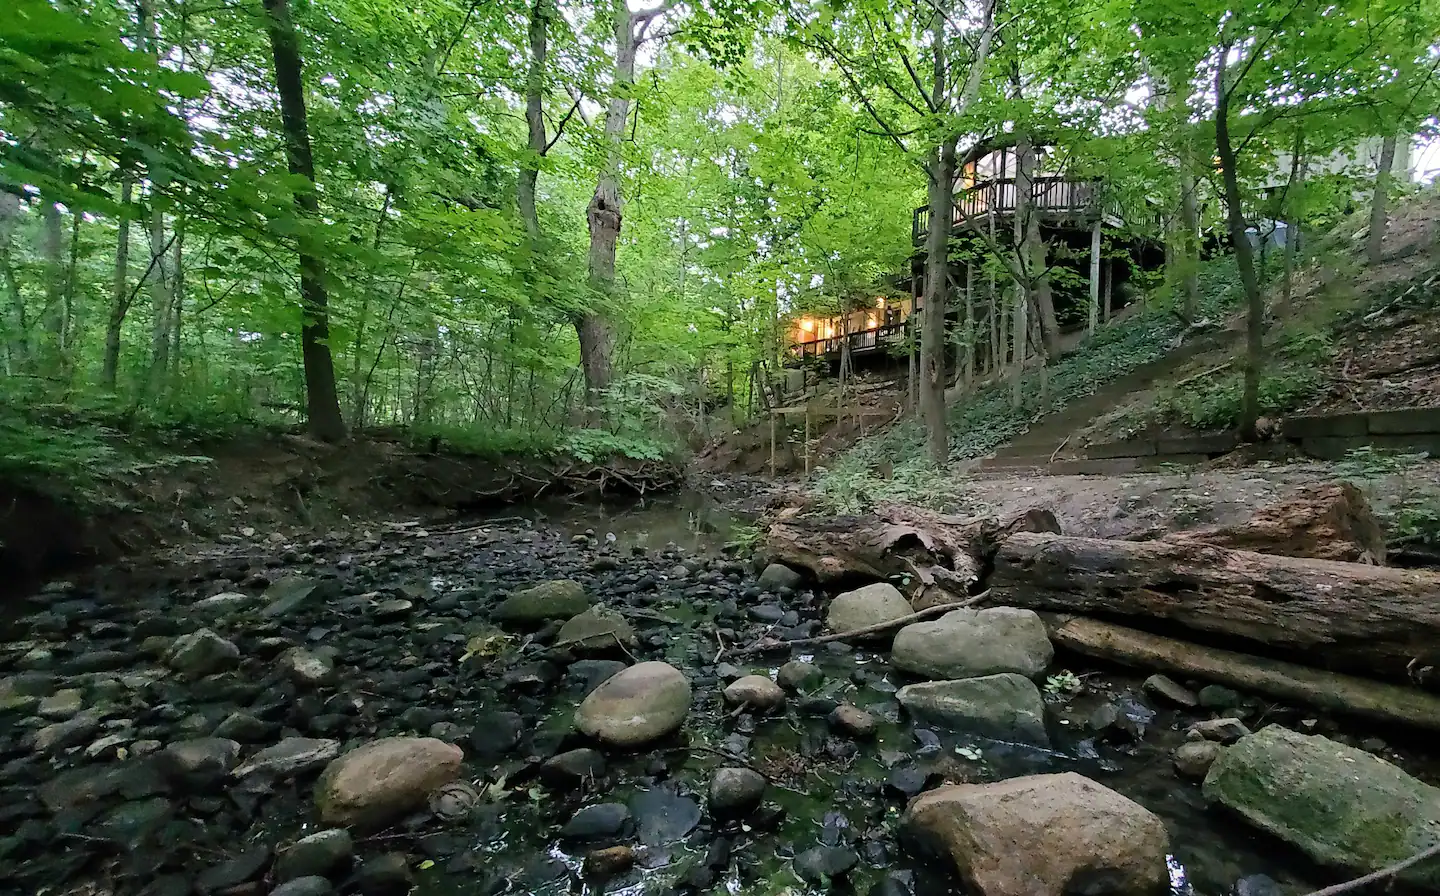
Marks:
<point>943,554</point>
<point>1327,691</point>
<point>1331,521</point>
<point>1346,616</point>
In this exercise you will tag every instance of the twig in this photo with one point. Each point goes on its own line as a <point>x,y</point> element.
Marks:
<point>1383,873</point>
<point>867,630</point>
<point>1058,448</point>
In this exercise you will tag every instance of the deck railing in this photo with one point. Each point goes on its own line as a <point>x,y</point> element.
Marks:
<point>860,341</point>
<point>1050,195</point>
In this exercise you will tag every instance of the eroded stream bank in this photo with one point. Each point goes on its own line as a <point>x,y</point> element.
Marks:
<point>146,769</point>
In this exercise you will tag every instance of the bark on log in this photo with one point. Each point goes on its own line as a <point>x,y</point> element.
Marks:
<point>944,554</point>
<point>1345,616</point>
<point>1331,521</point>
<point>1328,691</point>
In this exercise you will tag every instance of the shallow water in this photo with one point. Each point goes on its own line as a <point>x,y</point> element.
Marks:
<point>692,520</point>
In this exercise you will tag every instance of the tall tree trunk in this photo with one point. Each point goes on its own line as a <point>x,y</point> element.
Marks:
<point>52,320</point>
<point>120,291</point>
<point>17,331</point>
<point>1294,195</point>
<point>534,118</point>
<point>1380,203</point>
<point>1244,256</point>
<point>941,189</point>
<point>322,402</point>
<point>604,215</point>
<point>1190,236</point>
<point>161,298</point>
<point>177,298</point>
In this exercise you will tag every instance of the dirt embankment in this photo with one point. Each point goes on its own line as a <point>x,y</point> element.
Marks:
<point>284,483</point>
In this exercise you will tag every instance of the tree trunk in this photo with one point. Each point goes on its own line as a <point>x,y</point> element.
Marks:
<point>161,298</point>
<point>534,119</point>
<point>1244,257</point>
<point>17,328</point>
<point>1190,237</point>
<point>941,171</point>
<point>1326,691</point>
<point>1379,204</point>
<point>1294,193</point>
<point>604,217</point>
<point>1331,521</point>
<point>177,298</point>
<point>52,320</point>
<point>1034,250</point>
<point>1349,616</point>
<point>322,402</point>
<point>1094,308</point>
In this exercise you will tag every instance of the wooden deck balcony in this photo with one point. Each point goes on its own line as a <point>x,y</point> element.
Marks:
<point>861,342</point>
<point>1057,198</point>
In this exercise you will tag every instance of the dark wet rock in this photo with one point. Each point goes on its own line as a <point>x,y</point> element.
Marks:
<point>853,721</point>
<point>587,675</point>
<point>496,734</point>
<point>322,854</point>
<point>1193,759</point>
<point>572,767</point>
<point>1004,707</point>
<point>392,609</point>
<point>906,781</point>
<point>643,703</point>
<point>771,613</point>
<point>1123,721</point>
<point>822,864</point>
<point>817,707</point>
<point>244,727</point>
<point>290,758</point>
<point>78,787</point>
<point>1225,731</point>
<point>387,874</point>
<point>929,742</point>
<point>292,594</point>
<point>200,764</point>
<point>973,643</point>
<point>306,668</point>
<point>1171,691</point>
<point>893,884</point>
<point>201,653</point>
<point>559,599</point>
<point>777,576</point>
<point>98,660</point>
<point>663,816</point>
<point>222,604</point>
<point>597,822</point>
<point>531,678</point>
<point>755,691</point>
<point>1257,885</point>
<point>864,607</point>
<point>384,780</point>
<point>304,886</point>
<point>799,676</point>
<point>129,823</point>
<point>1086,833</point>
<point>736,790</point>
<point>595,631</point>
<point>729,671</point>
<point>1341,806</point>
<point>67,734</point>
<point>421,718</point>
<point>1214,696</point>
<point>243,868</point>
<point>602,863</point>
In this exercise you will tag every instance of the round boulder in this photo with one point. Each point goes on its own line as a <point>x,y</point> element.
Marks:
<point>864,607</point>
<point>638,705</point>
<point>755,691</point>
<point>972,643</point>
<point>596,630</point>
<point>384,780</point>
<point>560,599</point>
<point>736,789</point>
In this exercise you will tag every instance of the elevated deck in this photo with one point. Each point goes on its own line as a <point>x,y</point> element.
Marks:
<point>1059,200</point>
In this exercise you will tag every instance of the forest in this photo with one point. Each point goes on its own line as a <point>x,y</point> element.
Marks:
<point>585,225</point>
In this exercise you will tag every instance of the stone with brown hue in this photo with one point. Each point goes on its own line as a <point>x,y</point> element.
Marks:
<point>755,691</point>
<point>640,704</point>
<point>384,780</point>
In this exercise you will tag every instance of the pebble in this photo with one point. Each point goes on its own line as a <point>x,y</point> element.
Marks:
<point>853,721</point>
<point>755,691</point>
<point>736,789</point>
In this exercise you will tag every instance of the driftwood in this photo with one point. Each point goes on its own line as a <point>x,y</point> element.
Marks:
<point>1326,691</point>
<point>939,552</point>
<point>1371,620</point>
<point>937,610</point>
<point>1331,521</point>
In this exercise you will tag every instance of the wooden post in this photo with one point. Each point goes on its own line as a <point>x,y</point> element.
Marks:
<point>1109,271</point>
<point>807,438</point>
<point>1094,276</point>
<point>772,444</point>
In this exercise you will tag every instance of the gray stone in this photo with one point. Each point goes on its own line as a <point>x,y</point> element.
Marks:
<point>974,643</point>
<point>305,668</point>
<point>755,691</point>
<point>61,705</point>
<point>777,576</point>
<point>289,758</point>
<point>387,874</point>
<point>1214,696</point>
<point>383,780</point>
<point>597,822</point>
<point>798,676</point>
<point>198,764</point>
<point>864,607</point>
<point>596,629</point>
<point>853,720</point>
<point>736,789</point>
<point>821,864</point>
<point>223,603</point>
<point>243,727</point>
<point>393,608</point>
<point>201,653</point>
<point>304,886</point>
<point>643,703</point>
<point>292,594</point>
<point>323,854</point>
<point>572,767</point>
<point>1193,759</point>
<point>1170,690</point>
<point>560,599</point>
<point>1341,806</point>
<point>1225,731</point>
<point>1003,707</point>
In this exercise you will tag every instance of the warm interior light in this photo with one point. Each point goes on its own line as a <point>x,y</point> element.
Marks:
<point>870,323</point>
<point>807,325</point>
<point>880,302</point>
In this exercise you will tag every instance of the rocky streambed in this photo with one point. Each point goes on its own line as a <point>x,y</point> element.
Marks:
<point>522,707</point>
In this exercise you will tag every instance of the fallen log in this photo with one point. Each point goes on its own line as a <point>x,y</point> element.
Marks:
<point>939,552</point>
<point>1371,620</point>
<point>1328,691</point>
<point>1330,521</point>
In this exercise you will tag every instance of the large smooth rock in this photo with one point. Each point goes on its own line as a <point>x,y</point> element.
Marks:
<point>864,607</point>
<point>778,575</point>
<point>384,780</point>
<point>645,702</point>
<point>201,653</point>
<point>972,643</point>
<point>1341,806</point>
<point>736,789</point>
<point>597,629</point>
<point>1042,835</point>
<point>755,691</point>
<point>1003,707</point>
<point>560,599</point>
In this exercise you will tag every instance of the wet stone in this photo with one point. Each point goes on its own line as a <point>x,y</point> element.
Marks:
<point>907,780</point>
<point>755,691</point>
<point>572,767</point>
<point>1193,759</point>
<point>61,705</point>
<point>736,789</point>
<point>798,676</point>
<point>597,822</point>
<point>304,886</point>
<point>853,721</point>
<point>822,864</point>
<point>387,874</point>
<point>289,758</point>
<point>495,734</point>
<point>1171,691</point>
<point>663,816</point>
<point>603,863</point>
<point>1225,731</point>
<point>243,868</point>
<point>1214,696</point>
